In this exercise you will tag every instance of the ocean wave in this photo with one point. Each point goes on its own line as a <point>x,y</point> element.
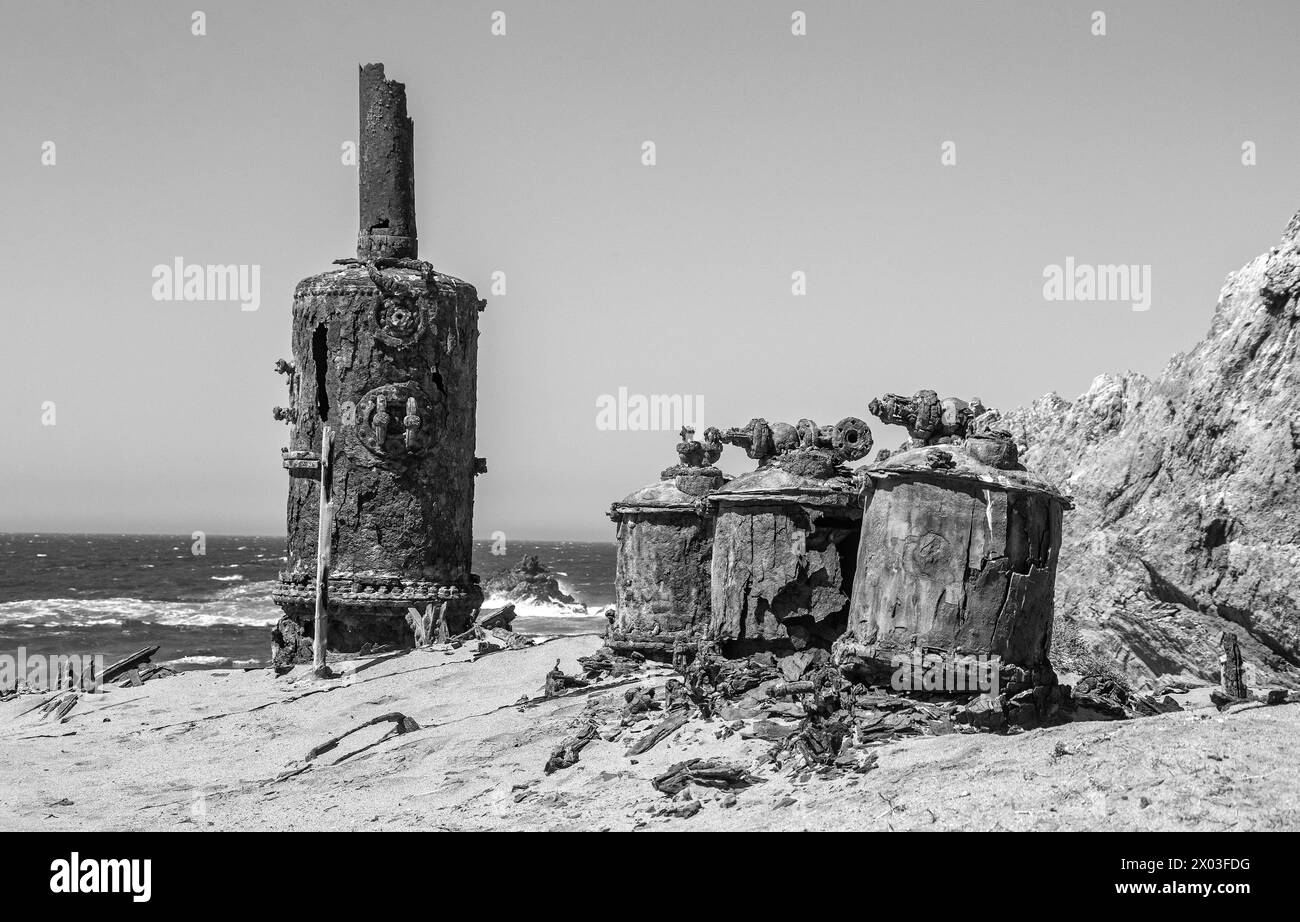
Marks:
<point>248,604</point>
<point>550,619</point>
<point>205,662</point>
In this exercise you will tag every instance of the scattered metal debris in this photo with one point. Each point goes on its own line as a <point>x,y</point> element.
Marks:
<point>709,773</point>
<point>566,754</point>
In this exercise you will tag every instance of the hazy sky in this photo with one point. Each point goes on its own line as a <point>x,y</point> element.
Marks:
<point>775,154</point>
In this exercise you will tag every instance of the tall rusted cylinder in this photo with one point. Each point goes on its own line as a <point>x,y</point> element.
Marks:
<point>957,557</point>
<point>387,170</point>
<point>385,352</point>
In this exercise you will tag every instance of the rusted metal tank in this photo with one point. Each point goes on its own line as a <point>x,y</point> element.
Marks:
<point>385,352</point>
<point>784,545</point>
<point>662,573</point>
<point>664,553</point>
<point>956,557</point>
<point>786,536</point>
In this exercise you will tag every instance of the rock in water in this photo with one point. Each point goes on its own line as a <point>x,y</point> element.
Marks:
<point>1188,491</point>
<point>528,581</point>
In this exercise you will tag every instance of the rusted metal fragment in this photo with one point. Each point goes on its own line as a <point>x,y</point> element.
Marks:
<point>782,574</point>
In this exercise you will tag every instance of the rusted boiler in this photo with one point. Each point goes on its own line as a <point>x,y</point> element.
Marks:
<point>385,352</point>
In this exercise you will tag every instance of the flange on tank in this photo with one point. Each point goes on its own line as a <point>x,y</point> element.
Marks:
<point>665,550</point>
<point>786,537</point>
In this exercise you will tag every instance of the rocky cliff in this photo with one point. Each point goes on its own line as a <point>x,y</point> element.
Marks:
<point>1188,491</point>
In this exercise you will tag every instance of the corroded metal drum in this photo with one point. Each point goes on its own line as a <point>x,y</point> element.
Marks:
<point>665,545</point>
<point>662,574</point>
<point>783,552</point>
<point>394,373</point>
<point>957,557</point>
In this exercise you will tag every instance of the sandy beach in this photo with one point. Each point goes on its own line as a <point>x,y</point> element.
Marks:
<point>227,750</point>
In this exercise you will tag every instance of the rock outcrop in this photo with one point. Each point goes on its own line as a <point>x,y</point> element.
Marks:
<point>1187,488</point>
<point>529,581</point>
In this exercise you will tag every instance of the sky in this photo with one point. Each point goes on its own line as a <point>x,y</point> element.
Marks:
<point>774,154</point>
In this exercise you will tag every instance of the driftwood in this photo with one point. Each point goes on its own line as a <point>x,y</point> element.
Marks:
<point>324,546</point>
<point>566,754</point>
<point>401,724</point>
<point>61,712</point>
<point>134,678</point>
<point>40,705</point>
<point>665,729</point>
<point>496,639</point>
<point>527,702</point>
<point>138,658</point>
<point>56,707</point>
<point>497,618</point>
<point>148,672</point>
<point>709,773</point>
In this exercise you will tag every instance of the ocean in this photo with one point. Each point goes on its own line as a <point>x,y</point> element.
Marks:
<point>113,594</point>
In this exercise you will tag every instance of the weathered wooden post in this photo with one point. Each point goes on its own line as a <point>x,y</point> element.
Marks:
<point>385,354</point>
<point>325,517</point>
